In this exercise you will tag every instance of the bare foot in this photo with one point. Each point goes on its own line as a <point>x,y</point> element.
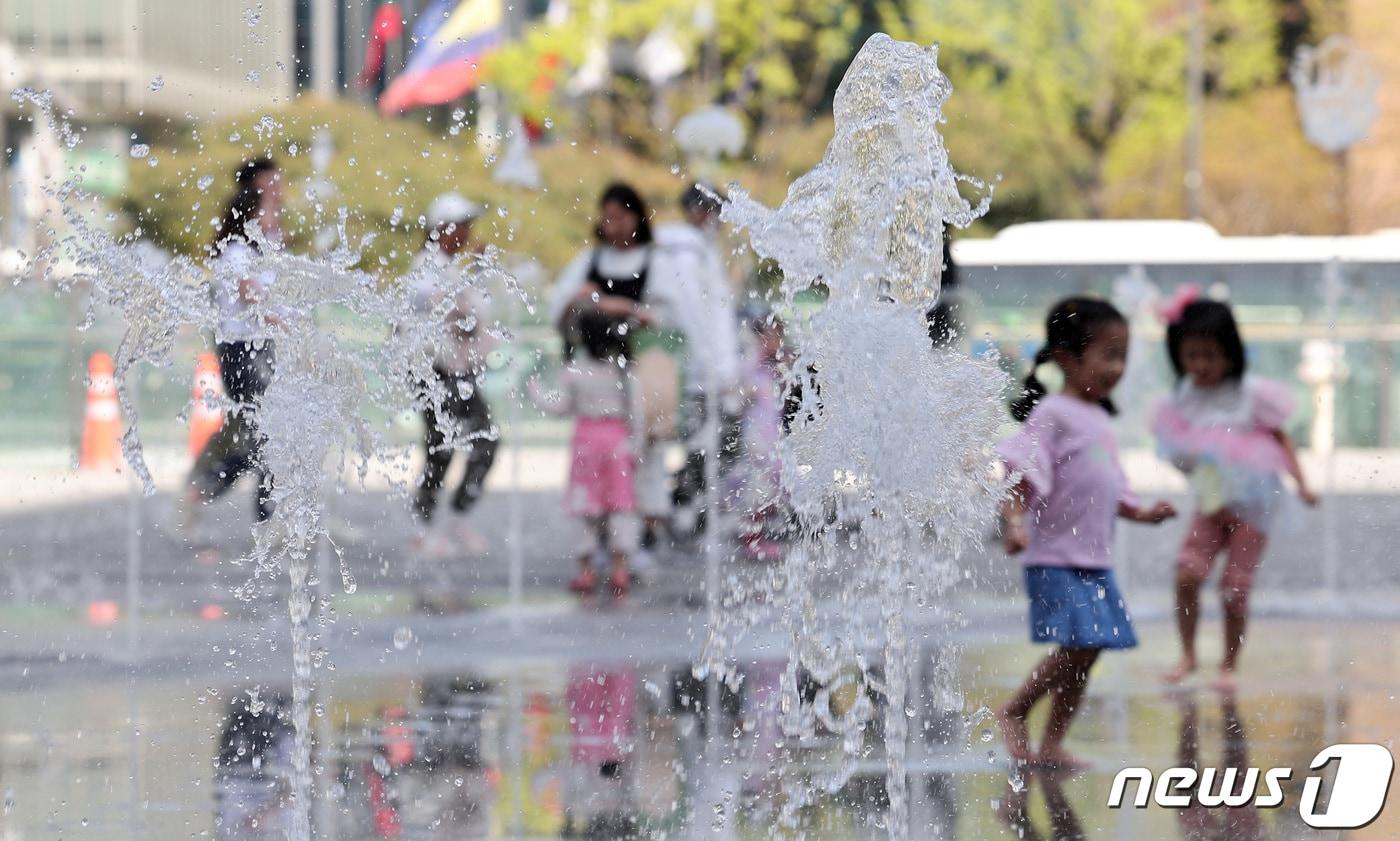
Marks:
<point>1060,761</point>
<point>1225,682</point>
<point>1179,672</point>
<point>1015,734</point>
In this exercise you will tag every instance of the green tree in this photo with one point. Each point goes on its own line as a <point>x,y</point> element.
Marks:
<point>784,52</point>
<point>1051,93</point>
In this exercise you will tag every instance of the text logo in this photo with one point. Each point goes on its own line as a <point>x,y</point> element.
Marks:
<point>1356,798</point>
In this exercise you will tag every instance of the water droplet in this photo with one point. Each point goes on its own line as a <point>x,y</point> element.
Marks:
<point>140,150</point>
<point>157,83</point>
<point>459,115</point>
<point>548,122</point>
<point>402,637</point>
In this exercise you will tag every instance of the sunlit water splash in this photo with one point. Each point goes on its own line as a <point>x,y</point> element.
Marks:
<point>893,438</point>
<point>312,413</point>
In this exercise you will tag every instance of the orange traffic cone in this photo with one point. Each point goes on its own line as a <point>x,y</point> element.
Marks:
<point>102,419</point>
<point>207,416</point>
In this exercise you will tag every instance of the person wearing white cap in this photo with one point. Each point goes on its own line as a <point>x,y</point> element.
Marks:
<point>456,416</point>
<point>712,355</point>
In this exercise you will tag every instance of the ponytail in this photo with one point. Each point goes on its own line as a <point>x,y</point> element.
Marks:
<point>1032,390</point>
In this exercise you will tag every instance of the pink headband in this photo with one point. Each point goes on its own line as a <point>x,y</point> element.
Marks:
<point>1170,310</point>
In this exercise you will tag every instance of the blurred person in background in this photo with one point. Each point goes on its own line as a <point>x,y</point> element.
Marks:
<point>756,480</point>
<point>598,389</point>
<point>712,355</point>
<point>625,278</point>
<point>456,417</point>
<point>250,222</point>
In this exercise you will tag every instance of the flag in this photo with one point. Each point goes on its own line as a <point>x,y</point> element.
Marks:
<point>387,26</point>
<point>452,37</point>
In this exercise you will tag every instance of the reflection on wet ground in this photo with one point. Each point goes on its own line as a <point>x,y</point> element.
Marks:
<point>618,749</point>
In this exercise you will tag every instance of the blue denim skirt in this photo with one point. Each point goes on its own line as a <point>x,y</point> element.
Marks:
<point>1078,608</point>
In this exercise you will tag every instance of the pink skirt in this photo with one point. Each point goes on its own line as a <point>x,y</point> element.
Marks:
<point>601,476</point>
<point>601,705</point>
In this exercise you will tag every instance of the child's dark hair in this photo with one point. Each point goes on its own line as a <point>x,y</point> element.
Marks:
<point>1207,320</point>
<point>1070,327</point>
<point>602,336</point>
<point>243,205</point>
<point>628,197</point>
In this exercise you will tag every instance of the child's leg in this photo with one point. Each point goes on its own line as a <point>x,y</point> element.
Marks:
<point>1043,679</point>
<point>1065,699</point>
<point>594,530</point>
<point>1204,539</point>
<point>623,536</point>
<point>1246,547</point>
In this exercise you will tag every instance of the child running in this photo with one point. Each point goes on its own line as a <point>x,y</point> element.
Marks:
<point>757,484</point>
<point>596,388</point>
<point>1223,429</point>
<point>1072,487</point>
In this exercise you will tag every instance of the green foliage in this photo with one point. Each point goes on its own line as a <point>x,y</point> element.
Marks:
<point>1057,96</point>
<point>788,48</point>
<point>1076,107</point>
<point>1244,38</point>
<point>383,170</point>
<point>1258,179</point>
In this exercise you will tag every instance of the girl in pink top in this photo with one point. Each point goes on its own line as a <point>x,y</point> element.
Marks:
<point>1223,429</point>
<point>1060,516</point>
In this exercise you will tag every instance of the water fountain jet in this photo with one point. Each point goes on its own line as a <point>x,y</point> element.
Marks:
<point>891,435</point>
<point>312,413</point>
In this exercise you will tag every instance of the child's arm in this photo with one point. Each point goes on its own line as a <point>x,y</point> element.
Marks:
<point>1293,467</point>
<point>1161,510</point>
<point>1015,537</point>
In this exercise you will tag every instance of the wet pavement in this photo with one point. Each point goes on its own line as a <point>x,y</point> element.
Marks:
<point>612,745</point>
<point>77,552</point>
<point>447,710</point>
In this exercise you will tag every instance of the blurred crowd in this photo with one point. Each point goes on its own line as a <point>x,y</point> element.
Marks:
<point>675,391</point>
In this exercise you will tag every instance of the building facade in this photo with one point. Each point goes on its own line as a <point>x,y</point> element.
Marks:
<point>110,59</point>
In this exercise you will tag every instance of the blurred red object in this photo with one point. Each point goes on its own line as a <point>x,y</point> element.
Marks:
<point>386,26</point>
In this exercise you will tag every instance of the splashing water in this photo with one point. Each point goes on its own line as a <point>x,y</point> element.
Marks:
<point>312,414</point>
<point>888,465</point>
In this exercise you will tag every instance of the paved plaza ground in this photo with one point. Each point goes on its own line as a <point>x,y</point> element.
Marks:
<point>94,700</point>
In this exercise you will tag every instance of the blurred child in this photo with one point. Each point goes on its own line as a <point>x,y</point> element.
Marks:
<point>1073,488</point>
<point>1223,429</point>
<point>596,388</point>
<point>758,491</point>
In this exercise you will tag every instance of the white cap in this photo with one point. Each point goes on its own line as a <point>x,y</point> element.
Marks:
<point>451,207</point>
